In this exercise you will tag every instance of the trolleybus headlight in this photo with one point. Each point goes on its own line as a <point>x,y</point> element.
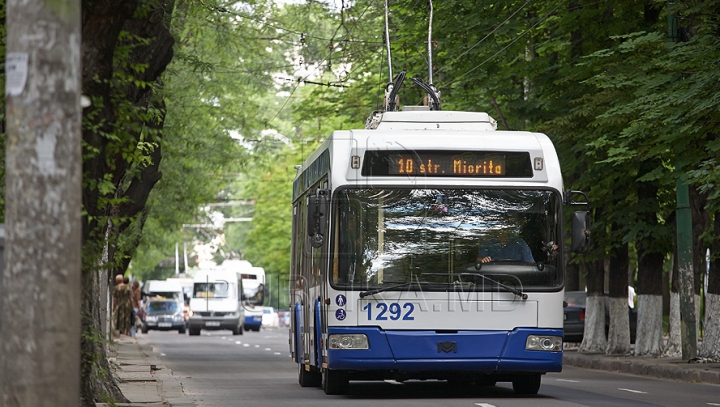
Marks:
<point>542,342</point>
<point>348,341</point>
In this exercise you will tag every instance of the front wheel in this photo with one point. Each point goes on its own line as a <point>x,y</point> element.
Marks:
<point>527,384</point>
<point>335,381</point>
<point>308,378</point>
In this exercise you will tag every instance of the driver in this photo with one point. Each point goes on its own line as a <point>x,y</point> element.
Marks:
<point>505,247</point>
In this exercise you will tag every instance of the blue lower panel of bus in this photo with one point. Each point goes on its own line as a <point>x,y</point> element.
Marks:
<point>253,321</point>
<point>478,351</point>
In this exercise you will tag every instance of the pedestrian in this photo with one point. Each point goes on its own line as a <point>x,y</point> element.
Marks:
<point>133,311</point>
<point>136,303</point>
<point>122,305</point>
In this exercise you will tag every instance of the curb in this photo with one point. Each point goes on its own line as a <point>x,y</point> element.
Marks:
<point>665,368</point>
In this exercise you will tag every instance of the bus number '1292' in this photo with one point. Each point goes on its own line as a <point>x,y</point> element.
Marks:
<point>394,309</point>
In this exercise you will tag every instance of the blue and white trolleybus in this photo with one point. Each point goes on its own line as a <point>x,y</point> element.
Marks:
<point>429,245</point>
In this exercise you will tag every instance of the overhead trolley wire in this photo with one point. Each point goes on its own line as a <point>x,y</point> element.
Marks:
<point>486,36</point>
<point>508,45</point>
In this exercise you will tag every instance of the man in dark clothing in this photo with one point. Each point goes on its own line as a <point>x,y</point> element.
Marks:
<point>505,247</point>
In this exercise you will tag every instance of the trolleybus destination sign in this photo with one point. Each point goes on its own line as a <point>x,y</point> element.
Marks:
<point>447,163</point>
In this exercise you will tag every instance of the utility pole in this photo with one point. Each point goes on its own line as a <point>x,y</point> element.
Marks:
<point>40,292</point>
<point>686,286</point>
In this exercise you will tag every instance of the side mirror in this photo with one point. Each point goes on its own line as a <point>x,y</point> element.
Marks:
<point>580,239</point>
<point>317,206</point>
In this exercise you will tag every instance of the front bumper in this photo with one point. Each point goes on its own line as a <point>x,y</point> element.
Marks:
<point>164,325</point>
<point>428,351</point>
<point>213,323</point>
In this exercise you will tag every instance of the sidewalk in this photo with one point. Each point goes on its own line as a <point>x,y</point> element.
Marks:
<point>665,368</point>
<point>141,376</point>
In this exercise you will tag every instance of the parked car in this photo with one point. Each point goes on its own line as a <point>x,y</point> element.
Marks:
<point>163,315</point>
<point>574,318</point>
<point>270,318</point>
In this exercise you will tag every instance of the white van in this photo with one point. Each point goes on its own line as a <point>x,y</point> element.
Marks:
<point>216,302</point>
<point>164,289</point>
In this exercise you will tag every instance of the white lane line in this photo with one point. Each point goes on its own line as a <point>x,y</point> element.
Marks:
<point>268,349</point>
<point>238,343</point>
<point>632,391</point>
<point>246,345</point>
<point>277,353</point>
<point>393,382</point>
<point>568,380</point>
<point>713,404</point>
<point>222,337</point>
<point>257,346</point>
<point>484,404</point>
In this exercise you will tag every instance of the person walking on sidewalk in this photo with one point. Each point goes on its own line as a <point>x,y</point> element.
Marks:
<point>137,304</point>
<point>122,305</point>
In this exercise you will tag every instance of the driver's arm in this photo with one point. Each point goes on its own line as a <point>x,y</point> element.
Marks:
<point>484,255</point>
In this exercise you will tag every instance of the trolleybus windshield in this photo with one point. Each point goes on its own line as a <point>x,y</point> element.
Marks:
<point>441,238</point>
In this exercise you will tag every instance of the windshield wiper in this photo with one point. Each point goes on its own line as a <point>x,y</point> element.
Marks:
<point>507,288</point>
<point>391,287</point>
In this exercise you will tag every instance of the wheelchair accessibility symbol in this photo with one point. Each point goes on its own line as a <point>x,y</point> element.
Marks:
<point>340,314</point>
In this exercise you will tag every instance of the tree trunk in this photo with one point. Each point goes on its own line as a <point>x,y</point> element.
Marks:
<point>619,332</point>
<point>98,384</point>
<point>649,330</point>
<point>673,347</point>
<point>40,282</point>
<point>102,22</point>
<point>594,340</point>
<point>700,224</point>
<point>710,348</point>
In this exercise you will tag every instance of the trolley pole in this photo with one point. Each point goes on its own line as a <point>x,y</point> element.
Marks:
<point>40,293</point>
<point>686,287</point>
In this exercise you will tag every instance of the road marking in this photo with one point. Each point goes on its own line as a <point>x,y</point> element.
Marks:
<point>238,342</point>
<point>222,337</point>
<point>246,345</point>
<point>162,354</point>
<point>713,404</point>
<point>484,405</point>
<point>277,353</point>
<point>268,349</point>
<point>257,346</point>
<point>568,380</point>
<point>393,382</point>
<point>632,391</point>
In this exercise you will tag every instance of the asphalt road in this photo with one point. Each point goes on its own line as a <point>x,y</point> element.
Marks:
<point>218,369</point>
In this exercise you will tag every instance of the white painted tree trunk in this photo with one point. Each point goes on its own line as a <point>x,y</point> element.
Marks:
<point>710,348</point>
<point>649,330</point>
<point>673,347</point>
<point>594,340</point>
<point>618,342</point>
